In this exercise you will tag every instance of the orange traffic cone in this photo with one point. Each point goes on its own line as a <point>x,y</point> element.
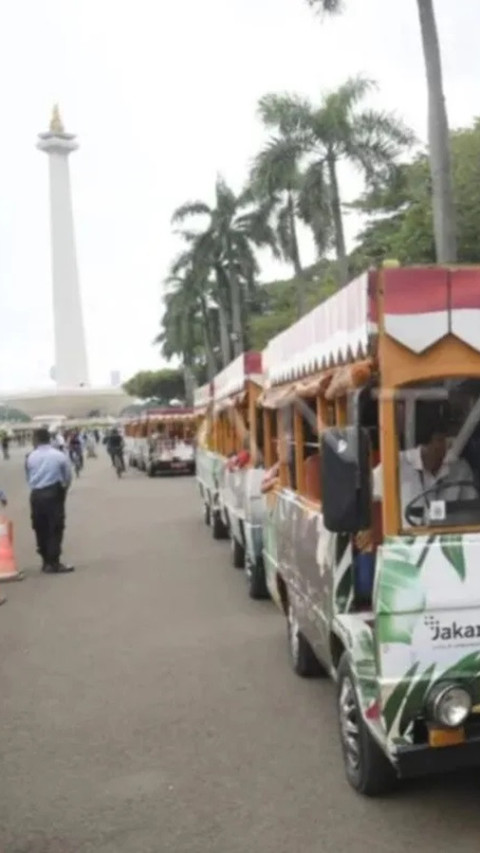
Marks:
<point>8,568</point>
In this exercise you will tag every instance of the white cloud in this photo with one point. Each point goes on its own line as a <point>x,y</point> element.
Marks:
<point>163,97</point>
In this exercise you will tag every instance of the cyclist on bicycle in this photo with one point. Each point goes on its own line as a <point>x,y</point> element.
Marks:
<point>115,446</point>
<point>75,448</point>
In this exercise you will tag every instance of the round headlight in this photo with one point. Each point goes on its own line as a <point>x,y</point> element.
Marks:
<point>450,705</point>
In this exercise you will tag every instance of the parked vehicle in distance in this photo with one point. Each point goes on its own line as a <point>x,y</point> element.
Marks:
<point>171,442</point>
<point>161,441</point>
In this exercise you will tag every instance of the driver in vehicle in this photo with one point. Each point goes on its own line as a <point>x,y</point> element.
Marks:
<point>427,472</point>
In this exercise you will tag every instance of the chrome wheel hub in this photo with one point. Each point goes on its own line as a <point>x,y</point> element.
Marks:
<point>349,724</point>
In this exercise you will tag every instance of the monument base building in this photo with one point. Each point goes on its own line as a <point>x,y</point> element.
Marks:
<point>76,403</point>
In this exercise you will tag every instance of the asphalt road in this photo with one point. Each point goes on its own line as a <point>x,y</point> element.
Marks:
<point>147,706</point>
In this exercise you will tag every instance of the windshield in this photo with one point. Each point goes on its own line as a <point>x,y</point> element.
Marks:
<point>438,426</point>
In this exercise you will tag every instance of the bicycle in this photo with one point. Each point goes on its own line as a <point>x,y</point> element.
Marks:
<point>76,462</point>
<point>118,464</point>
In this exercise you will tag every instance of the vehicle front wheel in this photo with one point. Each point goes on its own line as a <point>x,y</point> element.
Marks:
<point>304,662</point>
<point>238,553</point>
<point>367,767</point>
<point>257,584</point>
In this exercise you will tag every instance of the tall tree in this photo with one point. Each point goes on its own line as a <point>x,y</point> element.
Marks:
<point>443,200</point>
<point>444,217</point>
<point>278,181</point>
<point>165,385</point>
<point>337,130</point>
<point>234,227</point>
<point>187,323</point>
<point>399,212</point>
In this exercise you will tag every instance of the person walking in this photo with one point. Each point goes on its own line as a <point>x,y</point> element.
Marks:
<point>6,445</point>
<point>49,475</point>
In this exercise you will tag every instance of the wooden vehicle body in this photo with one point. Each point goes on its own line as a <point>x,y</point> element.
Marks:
<point>232,468</point>
<point>384,603</point>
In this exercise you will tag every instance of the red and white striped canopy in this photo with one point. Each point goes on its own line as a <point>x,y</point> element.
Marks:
<point>232,379</point>
<point>202,396</point>
<point>422,305</point>
<point>335,331</point>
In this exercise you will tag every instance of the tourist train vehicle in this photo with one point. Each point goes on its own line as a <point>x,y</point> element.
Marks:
<point>363,398</point>
<point>162,441</point>
<point>207,462</point>
<point>229,464</point>
<point>136,442</point>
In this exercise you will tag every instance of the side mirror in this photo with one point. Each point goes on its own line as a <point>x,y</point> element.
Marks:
<point>346,479</point>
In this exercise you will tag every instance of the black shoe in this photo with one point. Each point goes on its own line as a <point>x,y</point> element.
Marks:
<point>57,569</point>
<point>61,568</point>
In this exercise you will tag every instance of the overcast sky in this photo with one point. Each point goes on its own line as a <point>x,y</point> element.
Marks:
<point>162,96</point>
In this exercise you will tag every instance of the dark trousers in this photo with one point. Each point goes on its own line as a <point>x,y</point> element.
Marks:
<point>48,521</point>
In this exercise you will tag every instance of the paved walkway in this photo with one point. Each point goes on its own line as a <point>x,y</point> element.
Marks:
<point>147,705</point>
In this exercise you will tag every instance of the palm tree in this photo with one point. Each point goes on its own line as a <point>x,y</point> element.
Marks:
<point>187,324</point>
<point>443,202</point>
<point>176,338</point>
<point>208,285</point>
<point>227,244</point>
<point>277,179</point>
<point>337,130</point>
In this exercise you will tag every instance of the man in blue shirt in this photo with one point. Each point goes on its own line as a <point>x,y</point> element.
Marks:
<point>49,475</point>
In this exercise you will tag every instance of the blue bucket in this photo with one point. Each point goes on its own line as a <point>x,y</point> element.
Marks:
<point>364,575</point>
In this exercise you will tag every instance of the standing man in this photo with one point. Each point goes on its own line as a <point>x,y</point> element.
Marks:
<point>49,475</point>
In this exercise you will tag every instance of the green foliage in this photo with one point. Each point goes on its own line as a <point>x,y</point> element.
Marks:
<point>399,209</point>
<point>327,6</point>
<point>163,385</point>
<point>13,415</point>
<point>299,166</point>
<point>277,308</point>
<point>220,265</point>
<point>216,307</point>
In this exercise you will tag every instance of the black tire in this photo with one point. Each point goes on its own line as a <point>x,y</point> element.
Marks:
<point>302,657</point>
<point>150,470</point>
<point>219,531</point>
<point>238,554</point>
<point>207,515</point>
<point>256,581</point>
<point>367,767</point>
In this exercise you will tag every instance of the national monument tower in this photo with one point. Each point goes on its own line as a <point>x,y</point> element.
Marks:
<point>71,369</point>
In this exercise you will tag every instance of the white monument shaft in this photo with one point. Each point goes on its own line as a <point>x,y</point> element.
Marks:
<point>71,370</point>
